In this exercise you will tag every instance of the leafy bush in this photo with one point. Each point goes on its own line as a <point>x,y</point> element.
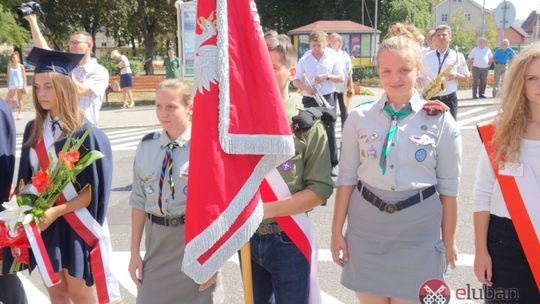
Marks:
<point>135,63</point>
<point>365,72</point>
<point>4,61</point>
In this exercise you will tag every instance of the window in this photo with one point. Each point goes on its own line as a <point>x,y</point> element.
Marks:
<point>458,1</point>
<point>444,18</point>
<point>468,16</point>
<point>104,44</point>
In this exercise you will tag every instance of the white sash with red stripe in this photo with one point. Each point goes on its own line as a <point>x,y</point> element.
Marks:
<point>297,227</point>
<point>520,195</point>
<point>41,256</point>
<point>97,237</point>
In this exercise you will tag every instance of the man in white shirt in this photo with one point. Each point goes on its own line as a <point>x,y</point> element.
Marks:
<point>437,60</point>
<point>344,87</point>
<point>316,73</point>
<point>91,79</point>
<point>481,57</point>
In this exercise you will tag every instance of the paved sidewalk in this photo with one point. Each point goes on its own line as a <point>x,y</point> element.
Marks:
<point>112,116</point>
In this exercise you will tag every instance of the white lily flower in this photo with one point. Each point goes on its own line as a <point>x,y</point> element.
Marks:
<point>14,214</point>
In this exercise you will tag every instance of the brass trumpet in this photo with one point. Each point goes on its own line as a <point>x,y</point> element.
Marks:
<point>319,98</point>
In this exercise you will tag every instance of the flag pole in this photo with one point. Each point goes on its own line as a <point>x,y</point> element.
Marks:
<point>247,279</point>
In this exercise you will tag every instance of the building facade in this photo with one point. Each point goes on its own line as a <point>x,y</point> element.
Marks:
<point>359,41</point>
<point>530,26</point>
<point>473,13</point>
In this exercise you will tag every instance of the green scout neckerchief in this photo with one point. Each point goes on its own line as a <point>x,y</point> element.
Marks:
<point>404,111</point>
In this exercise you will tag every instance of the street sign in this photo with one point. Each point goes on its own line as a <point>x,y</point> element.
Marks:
<point>505,15</point>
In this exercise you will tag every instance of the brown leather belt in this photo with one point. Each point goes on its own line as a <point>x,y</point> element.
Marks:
<point>266,229</point>
<point>167,221</point>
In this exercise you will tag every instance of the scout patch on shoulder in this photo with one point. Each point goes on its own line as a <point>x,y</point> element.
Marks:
<point>365,103</point>
<point>153,135</point>
<point>434,107</point>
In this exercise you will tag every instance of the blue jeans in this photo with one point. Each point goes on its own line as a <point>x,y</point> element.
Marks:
<point>280,270</point>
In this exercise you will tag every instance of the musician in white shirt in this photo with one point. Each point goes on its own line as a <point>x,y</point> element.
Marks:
<point>317,73</point>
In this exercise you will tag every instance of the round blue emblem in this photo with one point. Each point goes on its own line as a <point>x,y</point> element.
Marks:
<point>185,190</point>
<point>420,155</point>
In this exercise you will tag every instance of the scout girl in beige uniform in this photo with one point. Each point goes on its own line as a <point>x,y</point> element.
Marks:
<point>158,199</point>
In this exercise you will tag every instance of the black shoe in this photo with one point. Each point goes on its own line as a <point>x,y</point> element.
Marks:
<point>334,172</point>
<point>482,96</point>
<point>474,97</point>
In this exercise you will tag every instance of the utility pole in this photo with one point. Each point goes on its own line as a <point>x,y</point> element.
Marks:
<point>414,13</point>
<point>537,21</point>
<point>363,4</point>
<point>483,30</point>
<point>376,36</point>
<point>449,12</point>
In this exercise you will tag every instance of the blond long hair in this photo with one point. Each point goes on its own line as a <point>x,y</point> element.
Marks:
<point>511,121</point>
<point>69,112</point>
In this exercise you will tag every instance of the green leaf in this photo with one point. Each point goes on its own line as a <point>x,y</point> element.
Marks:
<point>86,161</point>
<point>81,139</point>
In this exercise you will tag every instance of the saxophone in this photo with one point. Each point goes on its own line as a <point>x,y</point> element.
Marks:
<point>439,83</point>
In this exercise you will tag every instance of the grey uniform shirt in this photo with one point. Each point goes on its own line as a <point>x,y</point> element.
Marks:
<point>426,149</point>
<point>147,169</point>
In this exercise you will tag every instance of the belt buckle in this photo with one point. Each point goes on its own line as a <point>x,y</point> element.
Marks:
<point>175,221</point>
<point>390,208</point>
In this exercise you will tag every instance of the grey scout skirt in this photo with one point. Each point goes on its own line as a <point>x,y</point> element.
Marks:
<point>163,280</point>
<point>393,254</point>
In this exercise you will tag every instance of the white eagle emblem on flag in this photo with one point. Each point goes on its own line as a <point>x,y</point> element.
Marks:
<point>206,56</point>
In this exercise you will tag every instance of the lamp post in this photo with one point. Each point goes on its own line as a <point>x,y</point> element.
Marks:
<point>483,30</point>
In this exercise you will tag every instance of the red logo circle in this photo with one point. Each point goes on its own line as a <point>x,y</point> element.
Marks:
<point>434,292</point>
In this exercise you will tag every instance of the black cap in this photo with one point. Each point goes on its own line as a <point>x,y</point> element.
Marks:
<point>53,61</point>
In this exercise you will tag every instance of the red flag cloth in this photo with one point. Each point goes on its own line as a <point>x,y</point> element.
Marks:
<point>239,134</point>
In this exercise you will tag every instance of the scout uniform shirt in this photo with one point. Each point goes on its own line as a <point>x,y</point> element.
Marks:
<point>309,168</point>
<point>425,151</point>
<point>146,173</point>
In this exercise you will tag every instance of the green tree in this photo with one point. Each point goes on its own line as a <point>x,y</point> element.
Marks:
<point>417,12</point>
<point>11,31</point>
<point>284,15</point>
<point>491,30</point>
<point>64,17</point>
<point>158,19</point>
<point>463,38</point>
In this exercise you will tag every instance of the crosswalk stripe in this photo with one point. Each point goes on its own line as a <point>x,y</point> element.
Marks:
<point>131,134</point>
<point>135,138</point>
<point>476,118</point>
<point>124,131</point>
<point>471,111</point>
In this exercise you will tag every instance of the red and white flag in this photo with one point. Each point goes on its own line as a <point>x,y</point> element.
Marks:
<point>239,134</point>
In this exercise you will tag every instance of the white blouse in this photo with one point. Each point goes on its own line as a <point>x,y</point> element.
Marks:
<point>487,192</point>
